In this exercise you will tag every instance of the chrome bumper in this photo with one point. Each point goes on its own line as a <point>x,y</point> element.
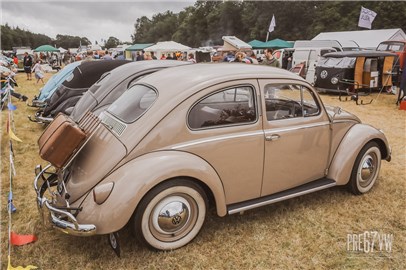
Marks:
<point>40,119</point>
<point>37,103</point>
<point>60,219</point>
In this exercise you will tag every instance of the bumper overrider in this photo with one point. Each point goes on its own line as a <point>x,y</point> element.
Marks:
<point>59,217</point>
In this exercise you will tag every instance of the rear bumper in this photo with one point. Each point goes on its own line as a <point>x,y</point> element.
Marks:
<point>40,119</point>
<point>60,218</point>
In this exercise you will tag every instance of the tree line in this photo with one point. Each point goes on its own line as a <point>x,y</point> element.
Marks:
<point>16,37</point>
<point>204,23</point>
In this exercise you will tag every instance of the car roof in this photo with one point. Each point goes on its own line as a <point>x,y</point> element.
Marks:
<point>358,54</point>
<point>87,73</point>
<point>183,79</point>
<point>132,68</point>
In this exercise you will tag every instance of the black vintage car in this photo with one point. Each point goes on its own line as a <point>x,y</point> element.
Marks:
<point>113,84</point>
<point>72,89</point>
<point>355,71</point>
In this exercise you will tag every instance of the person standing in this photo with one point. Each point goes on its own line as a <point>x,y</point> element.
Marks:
<point>269,59</point>
<point>191,58</point>
<point>15,60</point>
<point>39,75</point>
<point>27,65</point>
<point>253,58</point>
<point>107,56</point>
<point>147,56</point>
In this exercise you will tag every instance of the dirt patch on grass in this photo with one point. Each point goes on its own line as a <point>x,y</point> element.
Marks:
<point>309,232</point>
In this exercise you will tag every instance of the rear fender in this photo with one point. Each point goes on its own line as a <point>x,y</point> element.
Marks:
<point>135,178</point>
<point>349,148</point>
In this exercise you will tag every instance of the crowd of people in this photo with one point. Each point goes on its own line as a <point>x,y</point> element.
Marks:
<point>249,57</point>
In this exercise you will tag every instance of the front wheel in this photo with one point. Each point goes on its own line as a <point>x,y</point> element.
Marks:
<point>366,169</point>
<point>170,215</point>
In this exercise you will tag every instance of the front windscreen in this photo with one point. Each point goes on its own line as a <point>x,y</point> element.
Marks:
<point>133,103</point>
<point>332,62</point>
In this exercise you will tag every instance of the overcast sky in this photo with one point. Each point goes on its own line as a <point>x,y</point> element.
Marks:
<point>92,19</point>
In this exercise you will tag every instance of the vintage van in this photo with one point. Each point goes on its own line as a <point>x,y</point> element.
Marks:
<point>306,59</point>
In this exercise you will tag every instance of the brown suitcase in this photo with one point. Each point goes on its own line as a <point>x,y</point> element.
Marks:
<point>60,140</point>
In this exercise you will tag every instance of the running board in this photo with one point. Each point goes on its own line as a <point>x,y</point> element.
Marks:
<point>316,185</point>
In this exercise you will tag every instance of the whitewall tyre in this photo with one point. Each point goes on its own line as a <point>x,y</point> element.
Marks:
<point>366,169</point>
<point>171,214</point>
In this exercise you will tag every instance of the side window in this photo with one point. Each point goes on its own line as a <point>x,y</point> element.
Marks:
<point>285,101</point>
<point>230,106</point>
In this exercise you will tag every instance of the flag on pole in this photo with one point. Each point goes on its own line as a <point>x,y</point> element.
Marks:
<point>13,136</point>
<point>366,17</point>
<point>272,25</point>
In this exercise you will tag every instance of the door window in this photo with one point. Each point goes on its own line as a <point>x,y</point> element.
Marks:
<point>230,106</point>
<point>285,101</point>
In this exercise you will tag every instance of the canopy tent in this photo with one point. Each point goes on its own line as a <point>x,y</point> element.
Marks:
<point>276,44</point>
<point>165,47</point>
<point>169,46</point>
<point>62,50</point>
<point>256,44</point>
<point>139,47</point>
<point>46,48</point>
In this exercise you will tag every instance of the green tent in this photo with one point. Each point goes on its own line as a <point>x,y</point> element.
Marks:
<point>46,48</point>
<point>277,44</point>
<point>139,47</point>
<point>256,44</point>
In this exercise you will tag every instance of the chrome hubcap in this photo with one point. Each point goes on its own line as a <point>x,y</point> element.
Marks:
<point>367,171</point>
<point>171,215</point>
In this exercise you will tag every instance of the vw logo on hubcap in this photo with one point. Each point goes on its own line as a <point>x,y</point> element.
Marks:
<point>176,220</point>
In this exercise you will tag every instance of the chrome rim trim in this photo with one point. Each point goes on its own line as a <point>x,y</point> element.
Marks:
<point>171,215</point>
<point>182,222</point>
<point>367,169</point>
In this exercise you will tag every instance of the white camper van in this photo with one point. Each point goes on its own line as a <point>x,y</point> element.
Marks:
<point>305,60</point>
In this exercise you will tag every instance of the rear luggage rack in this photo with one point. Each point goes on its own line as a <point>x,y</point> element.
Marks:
<point>89,124</point>
<point>63,139</point>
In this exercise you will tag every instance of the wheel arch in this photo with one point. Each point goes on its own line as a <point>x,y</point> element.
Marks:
<point>354,140</point>
<point>128,192</point>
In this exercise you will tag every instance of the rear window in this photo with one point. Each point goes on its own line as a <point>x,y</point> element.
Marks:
<point>133,103</point>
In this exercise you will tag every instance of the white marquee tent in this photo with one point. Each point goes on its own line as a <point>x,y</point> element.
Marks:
<point>368,39</point>
<point>165,47</point>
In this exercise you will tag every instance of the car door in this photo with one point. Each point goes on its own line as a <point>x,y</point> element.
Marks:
<point>226,131</point>
<point>297,135</point>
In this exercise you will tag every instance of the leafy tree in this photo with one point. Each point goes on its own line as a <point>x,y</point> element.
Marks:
<point>112,42</point>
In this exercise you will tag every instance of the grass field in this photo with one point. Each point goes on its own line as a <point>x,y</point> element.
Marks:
<point>309,232</point>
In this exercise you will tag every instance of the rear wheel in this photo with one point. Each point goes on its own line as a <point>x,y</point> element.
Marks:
<point>170,215</point>
<point>366,169</point>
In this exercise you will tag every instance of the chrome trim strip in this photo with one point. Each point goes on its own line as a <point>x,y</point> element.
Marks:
<point>255,205</point>
<point>285,129</point>
<point>218,138</point>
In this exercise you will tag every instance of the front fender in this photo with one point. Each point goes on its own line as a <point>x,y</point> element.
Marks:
<point>349,148</point>
<point>135,178</point>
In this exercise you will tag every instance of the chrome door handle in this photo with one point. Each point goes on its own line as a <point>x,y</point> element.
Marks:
<point>272,137</point>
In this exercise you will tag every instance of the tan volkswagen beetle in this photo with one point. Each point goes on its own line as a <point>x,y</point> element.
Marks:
<point>232,135</point>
